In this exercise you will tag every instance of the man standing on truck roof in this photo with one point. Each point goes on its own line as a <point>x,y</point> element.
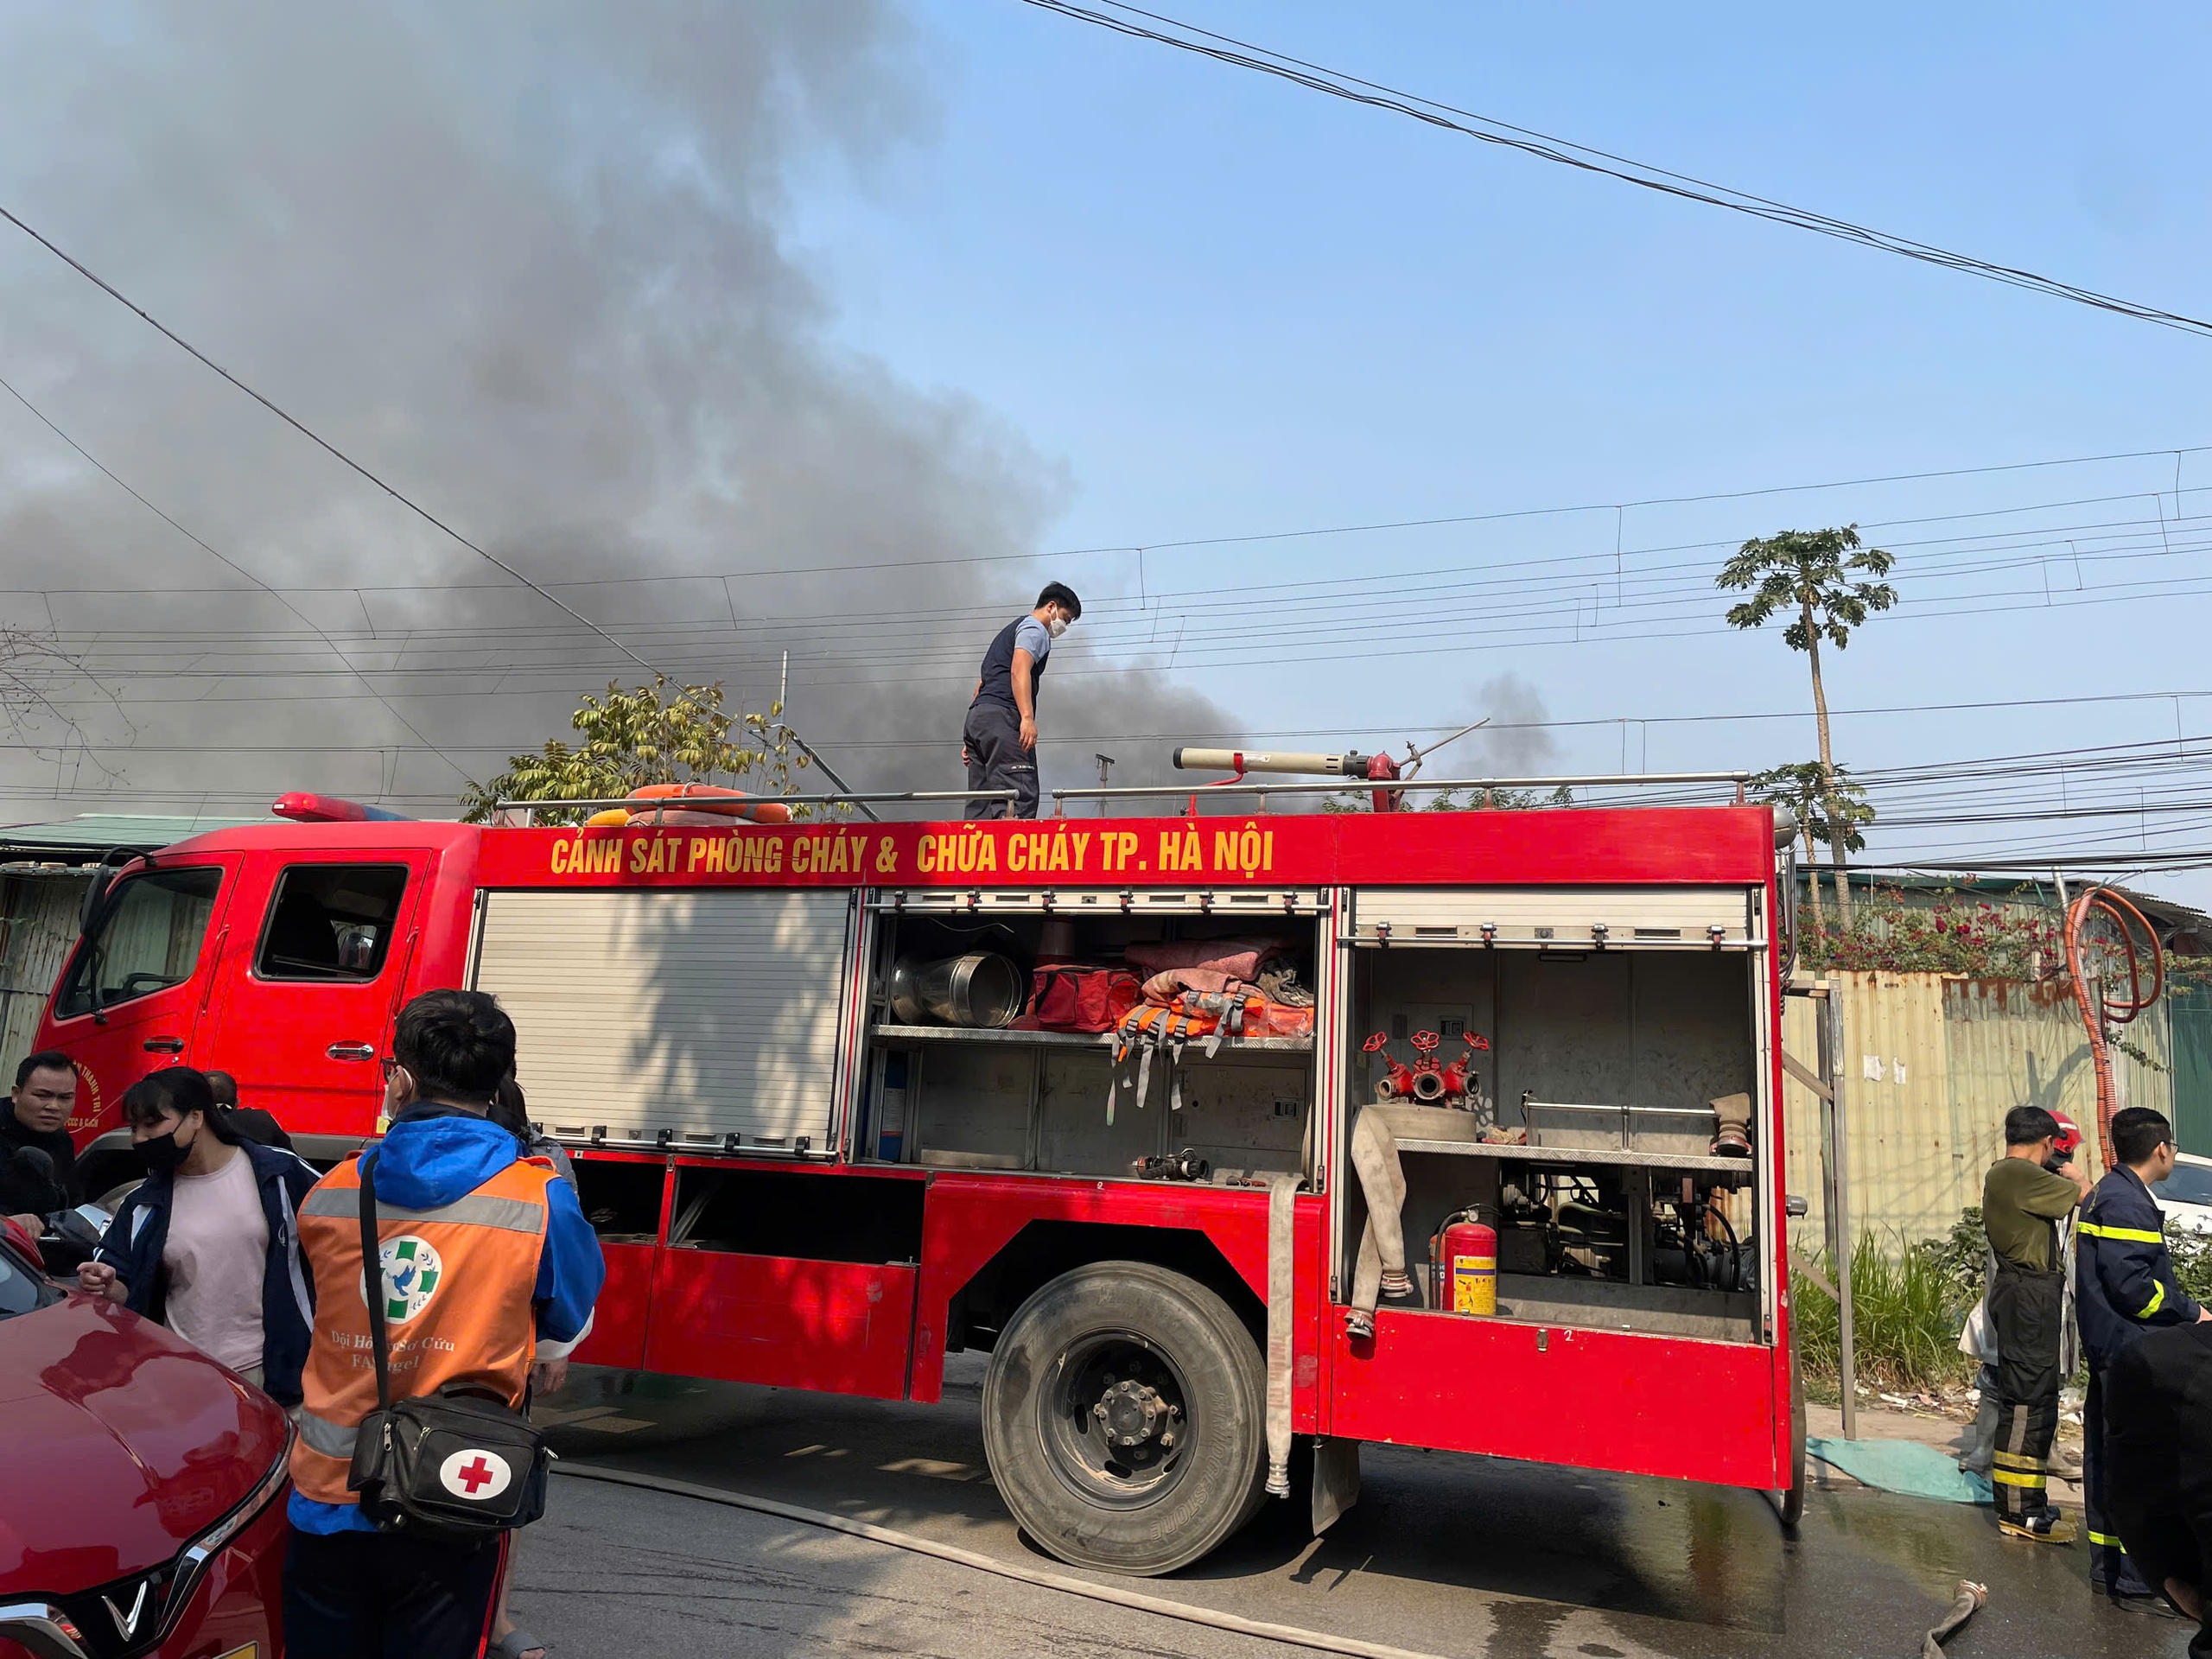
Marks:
<point>2021,1203</point>
<point>999,740</point>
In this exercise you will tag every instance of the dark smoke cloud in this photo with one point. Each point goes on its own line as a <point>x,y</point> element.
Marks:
<point>1515,743</point>
<point>530,262</point>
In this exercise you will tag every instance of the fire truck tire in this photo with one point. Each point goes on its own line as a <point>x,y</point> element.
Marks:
<point>1124,1419</point>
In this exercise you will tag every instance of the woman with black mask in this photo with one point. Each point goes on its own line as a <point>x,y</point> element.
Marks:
<point>206,1244</point>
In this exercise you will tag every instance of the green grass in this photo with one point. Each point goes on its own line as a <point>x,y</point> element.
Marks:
<point>1909,1303</point>
<point>1906,1307</point>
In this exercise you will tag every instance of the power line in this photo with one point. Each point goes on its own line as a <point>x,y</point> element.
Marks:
<point>1368,528</point>
<point>1244,54</point>
<point>311,435</point>
<point>1553,603</point>
<point>230,564</point>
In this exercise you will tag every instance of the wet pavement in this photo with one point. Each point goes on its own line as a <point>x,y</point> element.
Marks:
<point>1443,1554</point>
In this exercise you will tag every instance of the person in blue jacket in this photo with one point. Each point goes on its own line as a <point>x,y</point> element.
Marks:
<point>207,1243</point>
<point>2124,1286</point>
<point>348,1587</point>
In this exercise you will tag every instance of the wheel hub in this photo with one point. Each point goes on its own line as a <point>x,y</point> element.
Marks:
<point>1133,1413</point>
<point>1120,1429</point>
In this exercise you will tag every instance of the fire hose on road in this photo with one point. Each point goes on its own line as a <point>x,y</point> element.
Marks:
<point>1971,1596</point>
<point>1970,1599</point>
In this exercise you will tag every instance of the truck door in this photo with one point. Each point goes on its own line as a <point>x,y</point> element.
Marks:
<point>313,966</point>
<point>132,996</point>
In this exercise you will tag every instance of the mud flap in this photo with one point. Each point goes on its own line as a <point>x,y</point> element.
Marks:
<point>1335,1481</point>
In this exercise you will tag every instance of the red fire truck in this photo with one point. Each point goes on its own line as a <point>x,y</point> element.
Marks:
<point>799,1180</point>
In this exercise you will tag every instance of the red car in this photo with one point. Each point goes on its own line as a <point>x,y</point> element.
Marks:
<point>141,1485</point>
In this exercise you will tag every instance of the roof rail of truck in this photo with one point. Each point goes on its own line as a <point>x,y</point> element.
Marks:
<point>1393,785</point>
<point>679,803</point>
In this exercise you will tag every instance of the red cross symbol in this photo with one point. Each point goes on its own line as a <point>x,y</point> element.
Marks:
<point>477,1474</point>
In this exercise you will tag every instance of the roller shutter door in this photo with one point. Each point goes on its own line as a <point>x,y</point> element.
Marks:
<point>1682,917</point>
<point>706,1013</point>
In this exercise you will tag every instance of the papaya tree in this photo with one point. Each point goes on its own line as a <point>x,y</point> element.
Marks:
<point>1818,579</point>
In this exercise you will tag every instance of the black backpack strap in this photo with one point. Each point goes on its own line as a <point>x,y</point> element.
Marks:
<point>372,1283</point>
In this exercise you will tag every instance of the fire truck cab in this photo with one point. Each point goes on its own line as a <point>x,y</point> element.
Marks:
<point>797,1181</point>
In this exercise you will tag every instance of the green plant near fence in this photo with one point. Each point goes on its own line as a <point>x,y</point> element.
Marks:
<point>1954,934</point>
<point>1908,1302</point>
<point>1907,1307</point>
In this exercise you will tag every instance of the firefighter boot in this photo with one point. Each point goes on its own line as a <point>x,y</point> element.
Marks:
<point>2044,1526</point>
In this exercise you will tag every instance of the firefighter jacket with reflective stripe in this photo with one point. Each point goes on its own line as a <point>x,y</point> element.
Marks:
<point>2124,1276</point>
<point>458,1284</point>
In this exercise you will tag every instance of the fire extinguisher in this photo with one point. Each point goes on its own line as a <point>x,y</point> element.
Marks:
<point>1463,1264</point>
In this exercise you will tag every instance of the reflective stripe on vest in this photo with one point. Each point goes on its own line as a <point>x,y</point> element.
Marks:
<point>459,1283</point>
<point>332,1439</point>
<point>2126,1235</point>
<point>515,1215</point>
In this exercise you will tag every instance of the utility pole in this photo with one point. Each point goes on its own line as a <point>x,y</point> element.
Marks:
<point>1105,764</point>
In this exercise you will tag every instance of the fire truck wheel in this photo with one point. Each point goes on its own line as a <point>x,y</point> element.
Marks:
<point>1123,1418</point>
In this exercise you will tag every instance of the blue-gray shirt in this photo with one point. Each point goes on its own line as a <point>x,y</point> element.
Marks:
<point>1024,633</point>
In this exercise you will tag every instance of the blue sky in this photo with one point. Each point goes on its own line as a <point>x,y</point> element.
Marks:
<point>1221,304</point>
<point>639,294</point>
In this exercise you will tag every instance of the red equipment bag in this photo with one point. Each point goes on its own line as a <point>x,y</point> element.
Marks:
<point>1081,996</point>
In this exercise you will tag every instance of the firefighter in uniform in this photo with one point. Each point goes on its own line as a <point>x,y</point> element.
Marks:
<point>2158,1449</point>
<point>2126,1285</point>
<point>2022,1203</point>
<point>998,740</point>
<point>488,1268</point>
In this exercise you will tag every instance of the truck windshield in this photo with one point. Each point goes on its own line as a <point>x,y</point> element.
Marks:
<point>147,938</point>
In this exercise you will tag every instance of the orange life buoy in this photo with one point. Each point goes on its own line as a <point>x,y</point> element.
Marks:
<point>706,800</point>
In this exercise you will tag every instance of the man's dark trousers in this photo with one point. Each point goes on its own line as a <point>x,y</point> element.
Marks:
<point>379,1595</point>
<point>2111,1571</point>
<point>2157,1400</point>
<point>2027,1308</point>
<point>997,760</point>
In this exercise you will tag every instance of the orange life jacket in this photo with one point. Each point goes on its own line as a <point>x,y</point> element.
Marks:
<point>458,1283</point>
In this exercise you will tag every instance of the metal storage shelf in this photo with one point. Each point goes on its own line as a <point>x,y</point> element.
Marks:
<point>1068,1039</point>
<point>1685,1160</point>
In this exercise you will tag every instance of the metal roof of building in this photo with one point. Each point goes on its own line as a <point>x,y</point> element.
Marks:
<point>84,838</point>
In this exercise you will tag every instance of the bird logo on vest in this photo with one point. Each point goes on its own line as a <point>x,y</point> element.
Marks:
<point>411,1271</point>
<point>477,1476</point>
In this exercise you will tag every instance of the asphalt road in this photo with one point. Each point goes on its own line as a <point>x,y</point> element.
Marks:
<point>1444,1555</point>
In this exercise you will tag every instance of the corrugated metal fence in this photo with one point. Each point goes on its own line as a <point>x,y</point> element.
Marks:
<point>42,926</point>
<point>1931,1064</point>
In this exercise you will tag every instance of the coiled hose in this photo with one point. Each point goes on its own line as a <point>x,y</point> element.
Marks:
<point>2099,907</point>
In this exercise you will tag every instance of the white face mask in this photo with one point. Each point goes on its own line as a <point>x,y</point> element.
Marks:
<point>1058,627</point>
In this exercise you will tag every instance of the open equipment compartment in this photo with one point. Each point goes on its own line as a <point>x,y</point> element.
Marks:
<point>1613,1019</point>
<point>949,1096</point>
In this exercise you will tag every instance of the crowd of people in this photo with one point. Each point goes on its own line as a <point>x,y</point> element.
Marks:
<point>2066,1258</point>
<point>489,1272</point>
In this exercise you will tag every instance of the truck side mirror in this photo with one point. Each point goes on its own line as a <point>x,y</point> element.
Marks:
<point>1795,1208</point>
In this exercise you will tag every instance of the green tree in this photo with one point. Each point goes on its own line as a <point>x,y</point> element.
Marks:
<point>651,735</point>
<point>1815,577</point>
<point>1802,789</point>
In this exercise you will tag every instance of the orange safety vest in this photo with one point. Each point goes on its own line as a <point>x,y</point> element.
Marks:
<point>458,1284</point>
